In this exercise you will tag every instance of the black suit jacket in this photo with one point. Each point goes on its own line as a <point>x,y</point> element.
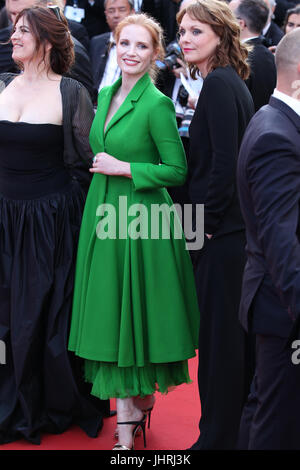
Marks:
<point>273,35</point>
<point>79,32</point>
<point>6,62</point>
<point>269,188</point>
<point>94,20</point>
<point>99,50</point>
<point>223,111</point>
<point>262,80</point>
<point>4,21</point>
<point>82,69</point>
<point>164,11</point>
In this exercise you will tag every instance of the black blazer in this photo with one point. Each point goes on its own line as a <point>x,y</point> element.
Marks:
<point>82,69</point>
<point>99,50</point>
<point>223,111</point>
<point>273,35</point>
<point>262,80</point>
<point>79,32</point>
<point>94,20</point>
<point>164,11</point>
<point>6,62</point>
<point>269,189</point>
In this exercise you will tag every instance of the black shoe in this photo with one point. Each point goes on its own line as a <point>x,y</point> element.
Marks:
<point>195,446</point>
<point>110,414</point>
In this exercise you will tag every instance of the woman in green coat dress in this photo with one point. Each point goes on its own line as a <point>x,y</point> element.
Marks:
<point>135,313</point>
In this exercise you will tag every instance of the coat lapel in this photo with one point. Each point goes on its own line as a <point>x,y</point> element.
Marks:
<point>101,64</point>
<point>104,104</point>
<point>283,107</point>
<point>128,104</point>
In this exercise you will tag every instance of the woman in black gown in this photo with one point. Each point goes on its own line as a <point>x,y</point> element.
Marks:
<point>44,158</point>
<point>210,39</point>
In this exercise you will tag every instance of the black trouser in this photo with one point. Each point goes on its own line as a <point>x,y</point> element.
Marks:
<point>271,417</point>
<point>225,365</point>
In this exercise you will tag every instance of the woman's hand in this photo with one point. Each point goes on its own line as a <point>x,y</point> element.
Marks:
<point>109,165</point>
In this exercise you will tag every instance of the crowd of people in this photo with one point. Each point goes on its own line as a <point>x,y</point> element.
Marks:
<point>110,105</point>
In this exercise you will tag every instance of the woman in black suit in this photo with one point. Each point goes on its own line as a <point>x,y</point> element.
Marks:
<point>210,39</point>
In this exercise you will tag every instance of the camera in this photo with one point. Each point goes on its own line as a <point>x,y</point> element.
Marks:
<point>173,51</point>
<point>183,96</point>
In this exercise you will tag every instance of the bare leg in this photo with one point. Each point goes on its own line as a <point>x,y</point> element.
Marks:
<point>144,403</point>
<point>126,411</point>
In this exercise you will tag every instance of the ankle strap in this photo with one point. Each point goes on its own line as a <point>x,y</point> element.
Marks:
<point>134,422</point>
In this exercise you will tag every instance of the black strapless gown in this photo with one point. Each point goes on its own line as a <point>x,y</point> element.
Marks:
<point>41,388</point>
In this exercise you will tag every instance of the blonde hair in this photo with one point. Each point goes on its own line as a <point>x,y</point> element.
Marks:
<point>222,21</point>
<point>153,28</point>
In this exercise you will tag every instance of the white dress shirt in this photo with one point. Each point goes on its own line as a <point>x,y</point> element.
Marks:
<point>138,5</point>
<point>266,28</point>
<point>112,70</point>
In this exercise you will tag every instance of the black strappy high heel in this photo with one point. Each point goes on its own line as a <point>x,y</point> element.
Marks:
<point>138,425</point>
<point>148,413</point>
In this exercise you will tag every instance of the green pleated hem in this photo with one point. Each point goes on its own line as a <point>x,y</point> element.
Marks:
<point>111,381</point>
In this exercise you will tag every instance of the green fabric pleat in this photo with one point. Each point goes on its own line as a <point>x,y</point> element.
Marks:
<point>111,381</point>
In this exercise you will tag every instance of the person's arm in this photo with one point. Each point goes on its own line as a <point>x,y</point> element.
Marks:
<point>81,125</point>
<point>222,120</point>
<point>274,181</point>
<point>172,170</point>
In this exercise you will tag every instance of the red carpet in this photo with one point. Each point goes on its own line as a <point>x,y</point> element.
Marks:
<point>174,425</point>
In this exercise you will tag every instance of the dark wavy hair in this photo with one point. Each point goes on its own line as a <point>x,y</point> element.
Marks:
<point>291,11</point>
<point>47,26</point>
<point>222,21</point>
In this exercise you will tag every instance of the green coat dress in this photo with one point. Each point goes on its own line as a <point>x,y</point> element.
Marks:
<point>135,314</point>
